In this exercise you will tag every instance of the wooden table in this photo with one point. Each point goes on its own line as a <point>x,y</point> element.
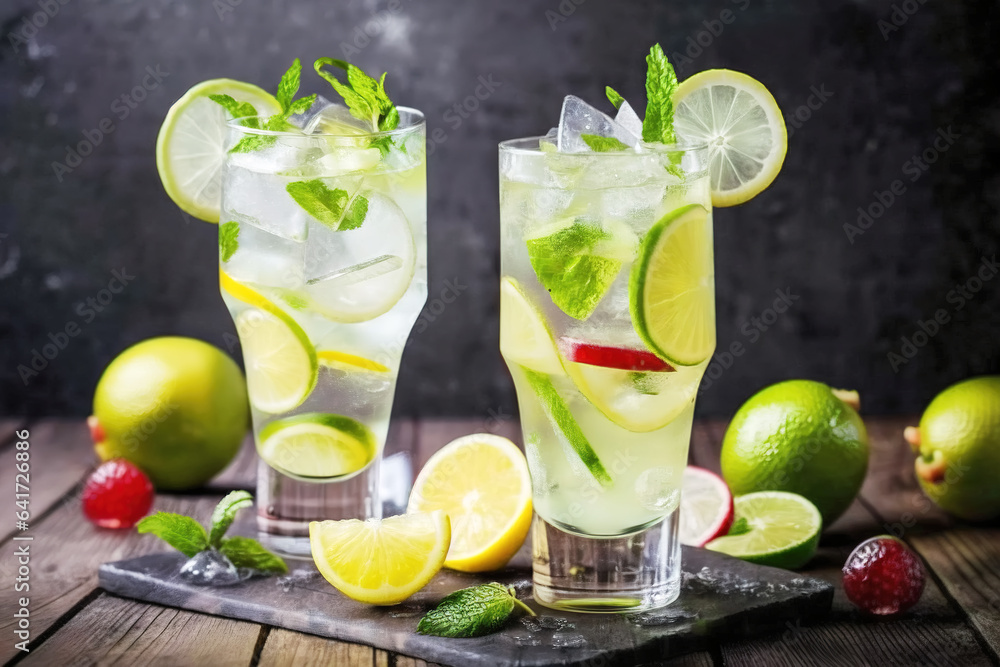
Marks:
<point>73,622</point>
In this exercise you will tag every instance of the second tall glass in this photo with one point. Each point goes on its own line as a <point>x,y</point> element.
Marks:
<point>607,323</point>
<point>323,266</point>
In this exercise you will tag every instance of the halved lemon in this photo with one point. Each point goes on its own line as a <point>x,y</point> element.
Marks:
<point>190,147</point>
<point>383,561</point>
<point>741,123</point>
<point>317,445</point>
<point>672,287</point>
<point>525,339</point>
<point>482,482</point>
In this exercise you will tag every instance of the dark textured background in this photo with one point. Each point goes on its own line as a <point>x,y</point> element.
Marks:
<point>892,90</point>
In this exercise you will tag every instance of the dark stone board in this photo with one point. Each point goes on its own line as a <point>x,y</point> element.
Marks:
<point>720,597</point>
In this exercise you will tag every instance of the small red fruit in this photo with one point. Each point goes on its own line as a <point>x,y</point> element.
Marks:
<point>117,495</point>
<point>883,576</point>
<point>621,358</point>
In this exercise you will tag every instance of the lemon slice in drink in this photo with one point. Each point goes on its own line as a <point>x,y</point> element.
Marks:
<point>381,562</point>
<point>773,528</point>
<point>317,445</point>
<point>525,339</point>
<point>672,287</point>
<point>190,147</point>
<point>741,123</point>
<point>482,482</point>
<point>345,361</point>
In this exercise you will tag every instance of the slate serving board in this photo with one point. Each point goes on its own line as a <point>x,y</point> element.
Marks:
<point>720,597</point>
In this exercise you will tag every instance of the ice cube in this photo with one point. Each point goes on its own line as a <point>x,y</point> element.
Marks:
<point>212,568</point>
<point>353,273</point>
<point>255,189</point>
<point>327,116</point>
<point>266,259</point>
<point>579,118</point>
<point>629,119</point>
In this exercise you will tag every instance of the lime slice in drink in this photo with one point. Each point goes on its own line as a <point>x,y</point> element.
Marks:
<point>525,339</point>
<point>557,410</point>
<point>317,445</point>
<point>672,287</point>
<point>773,528</point>
<point>741,123</point>
<point>280,361</point>
<point>577,262</point>
<point>345,361</point>
<point>190,148</point>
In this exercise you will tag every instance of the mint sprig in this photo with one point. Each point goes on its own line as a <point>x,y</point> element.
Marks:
<point>472,612</point>
<point>189,537</point>
<point>229,234</point>
<point>365,97</point>
<point>614,97</point>
<point>329,205</point>
<point>661,84</point>
<point>602,144</point>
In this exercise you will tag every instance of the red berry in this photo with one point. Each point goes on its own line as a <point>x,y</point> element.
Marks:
<point>621,358</point>
<point>117,495</point>
<point>883,576</point>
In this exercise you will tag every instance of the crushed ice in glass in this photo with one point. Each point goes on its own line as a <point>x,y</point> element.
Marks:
<point>629,119</point>
<point>324,113</point>
<point>212,568</point>
<point>579,118</point>
<point>371,268</point>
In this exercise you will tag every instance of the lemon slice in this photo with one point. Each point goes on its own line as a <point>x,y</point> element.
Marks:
<point>525,339</point>
<point>280,361</point>
<point>741,123</point>
<point>190,147</point>
<point>672,287</point>
<point>345,361</point>
<point>384,561</point>
<point>482,482</point>
<point>317,445</point>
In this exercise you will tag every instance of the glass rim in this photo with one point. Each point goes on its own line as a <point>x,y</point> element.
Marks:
<point>418,120</point>
<point>512,146</point>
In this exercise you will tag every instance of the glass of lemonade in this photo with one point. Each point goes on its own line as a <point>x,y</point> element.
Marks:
<point>323,266</point>
<point>607,322</point>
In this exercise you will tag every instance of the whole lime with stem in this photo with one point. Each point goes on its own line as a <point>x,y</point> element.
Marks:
<point>802,437</point>
<point>175,407</point>
<point>958,447</point>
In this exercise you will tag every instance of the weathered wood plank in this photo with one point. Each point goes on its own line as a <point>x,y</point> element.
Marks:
<point>64,556</point>
<point>285,648</point>
<point>60,455</point>
<point>406,661</point>
<point>113,630</point>
<point>432,435</point>
<point>702,659</point>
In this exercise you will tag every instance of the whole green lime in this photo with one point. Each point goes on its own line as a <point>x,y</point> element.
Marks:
<point>959,445</point>
<point>175,407</point>
<point>798,436</point>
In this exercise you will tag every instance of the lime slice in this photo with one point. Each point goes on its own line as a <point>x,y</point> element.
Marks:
<point>524,337</point>
<point>280,361</point>
<point>741,123</point>
<point>572,263</point>
<point>190,148</point>
<point>672,287</point>
<point>317,445</point>
<point>557,410</point>
<point>781,530</point>
<point>345,361</point>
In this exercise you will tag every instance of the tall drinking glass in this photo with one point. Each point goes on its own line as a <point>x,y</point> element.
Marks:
<point>323,266</point>
<point>607,322</point>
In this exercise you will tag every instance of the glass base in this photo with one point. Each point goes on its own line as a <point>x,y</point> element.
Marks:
<point>286,506</point>
<point>631,573</point>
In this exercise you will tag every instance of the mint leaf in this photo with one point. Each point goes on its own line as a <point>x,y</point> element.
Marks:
<point>364,96</point>
<point>248,552</point>
<point>661,83</point>
<point>237,109</point>
<point>181,532</point>
<point>644,382</point>
<point>613,96</point>
<point>319,201</point>
<point>383,144</point>
<point>229,234</point>
<point>300,105</point>
<point>355,215</point>
<point>603,144</point>
<point>289,85</point>
<point>225,513</point>
<point>471,612</point>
